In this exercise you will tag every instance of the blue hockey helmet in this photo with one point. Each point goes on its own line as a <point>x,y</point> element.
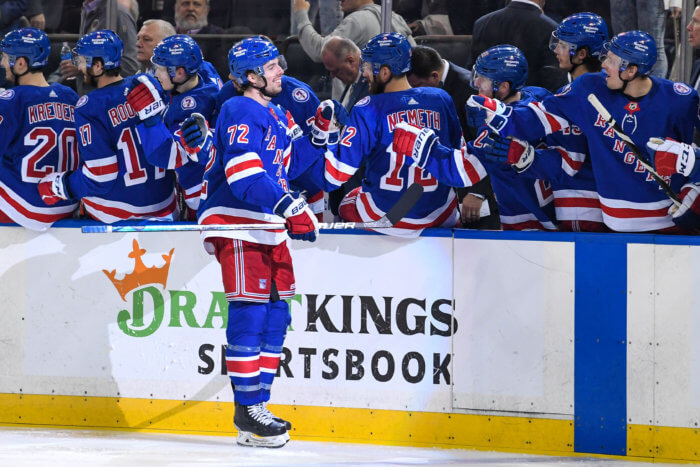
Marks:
<point>248,55</point>
<point>500,64</point>
<point>31,43</point>
<point>178,51</point>
<point>633,48</point>
<point>104,44</point>
<point>581,30</point>
<point>389,49</point>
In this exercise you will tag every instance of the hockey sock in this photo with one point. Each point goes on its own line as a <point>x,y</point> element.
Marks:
<point>274,332</point>
<point>243,334</point>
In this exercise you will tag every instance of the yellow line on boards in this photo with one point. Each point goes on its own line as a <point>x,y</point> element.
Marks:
<point>337,424</point>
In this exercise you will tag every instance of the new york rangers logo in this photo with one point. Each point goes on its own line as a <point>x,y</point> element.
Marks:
<point>7,94</point>
<point>363,101</point>
<point>681,89</point>
<point>81,102</point>
<point>300,95</point>
<point>188,103</point>
<point>629,121</point>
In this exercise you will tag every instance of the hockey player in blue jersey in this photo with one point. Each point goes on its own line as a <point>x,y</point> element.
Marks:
<point>115,181</point>
<point>564,164</point>
<point>301,102</point>
<point>177,61</point>
<point>645,106</point>
<point>247,182</point>
<point>523,203</point>
<point>38,133</point>
<point>367,137</point>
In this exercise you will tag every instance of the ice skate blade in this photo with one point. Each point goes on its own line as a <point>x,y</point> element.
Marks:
<point>248,439</point>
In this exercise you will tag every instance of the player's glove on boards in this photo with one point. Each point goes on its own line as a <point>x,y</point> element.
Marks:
<point>687,216</point>
<point>145,99</point>
<point>414,141</point>
<point>52,188</point>
<point>300,221</point>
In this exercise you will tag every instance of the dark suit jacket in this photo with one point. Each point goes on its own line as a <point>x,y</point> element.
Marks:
<point>215,51</point>
<point>526,27</point>
<point>694,73</point>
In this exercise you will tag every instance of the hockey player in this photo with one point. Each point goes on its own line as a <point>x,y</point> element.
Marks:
<point>38,133</point>
<point>177,61</point>
<point>577,42</point>
<point>523,203</point>
<point>247,181</point>
<point>301,102</point>
<point>115,181</point>
<point>645,106</point>
<point>367,137</point>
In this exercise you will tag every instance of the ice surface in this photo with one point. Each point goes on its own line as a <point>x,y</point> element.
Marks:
<point>35,447</point>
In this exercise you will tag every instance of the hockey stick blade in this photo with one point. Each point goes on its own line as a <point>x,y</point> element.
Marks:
<point>600,108</point>
<point>392,217</point>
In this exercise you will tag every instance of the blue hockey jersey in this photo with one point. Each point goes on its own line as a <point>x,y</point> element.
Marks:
<point>250,171</point>
<point>162,142</point>
<point>368,137</point>
<point>38,138</point>
<point>116,182</point>
<point>630,199</point>
<point>523,203</point>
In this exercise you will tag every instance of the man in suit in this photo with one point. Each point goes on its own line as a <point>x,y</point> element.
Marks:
<point>341,57</point>
<point>522,23</point>
<point>429,69</point>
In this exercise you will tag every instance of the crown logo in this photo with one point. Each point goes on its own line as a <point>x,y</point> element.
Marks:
<point>141,275</point>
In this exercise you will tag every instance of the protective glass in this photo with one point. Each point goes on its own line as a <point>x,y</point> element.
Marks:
<point>367,68</point>
<point>557,45</point>
<point>80,61</point>
<point>282,62</point>
<point>613,61</point>
<point>481,83</point>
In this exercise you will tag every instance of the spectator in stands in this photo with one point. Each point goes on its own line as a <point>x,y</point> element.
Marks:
<point>341,57</point>
<point>326,13</point>
<point>523,24</point>
<point>151,33</point>
<point>35,13</point>
<point>114,15</point>
<point>694,40</point>
<point>191,17</point>
<point>362,22</point>
<point>429,69</point>
<point>432,16</point>
<point>10,13</point>
<point>648,16</point>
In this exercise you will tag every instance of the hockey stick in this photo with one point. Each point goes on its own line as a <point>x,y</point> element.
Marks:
<point>600,108</point>
<point>397,212</point>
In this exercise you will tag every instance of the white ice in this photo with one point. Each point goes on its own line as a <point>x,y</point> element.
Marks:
<point>34,447</point>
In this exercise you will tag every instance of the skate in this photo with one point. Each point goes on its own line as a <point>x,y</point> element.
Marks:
<point>257,428</point>
<point>284,422</point>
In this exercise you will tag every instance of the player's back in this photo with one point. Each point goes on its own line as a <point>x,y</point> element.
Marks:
<point>369,136</point>
<point>38,138</point>
<point>117,182</point>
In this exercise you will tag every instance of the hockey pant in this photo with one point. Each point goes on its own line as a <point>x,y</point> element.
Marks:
<point>255,336</point>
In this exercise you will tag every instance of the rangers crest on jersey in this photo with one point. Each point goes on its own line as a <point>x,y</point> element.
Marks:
<point>362,102</point>
<point>7,94</point>
<point>188,103</point>
<point>300,95</point>
<point>81,102</point>
<point>682,89</point>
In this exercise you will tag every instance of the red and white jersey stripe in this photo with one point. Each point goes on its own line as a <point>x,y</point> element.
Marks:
<point>550,122</point>
<point>109,211</point>
<point>577,205</point>
<point>101,170</point>
<point>525,222</point>
<point>243,166</point>
<point>230,215</point>
<point>629,216</point>
<point>27,215</point>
